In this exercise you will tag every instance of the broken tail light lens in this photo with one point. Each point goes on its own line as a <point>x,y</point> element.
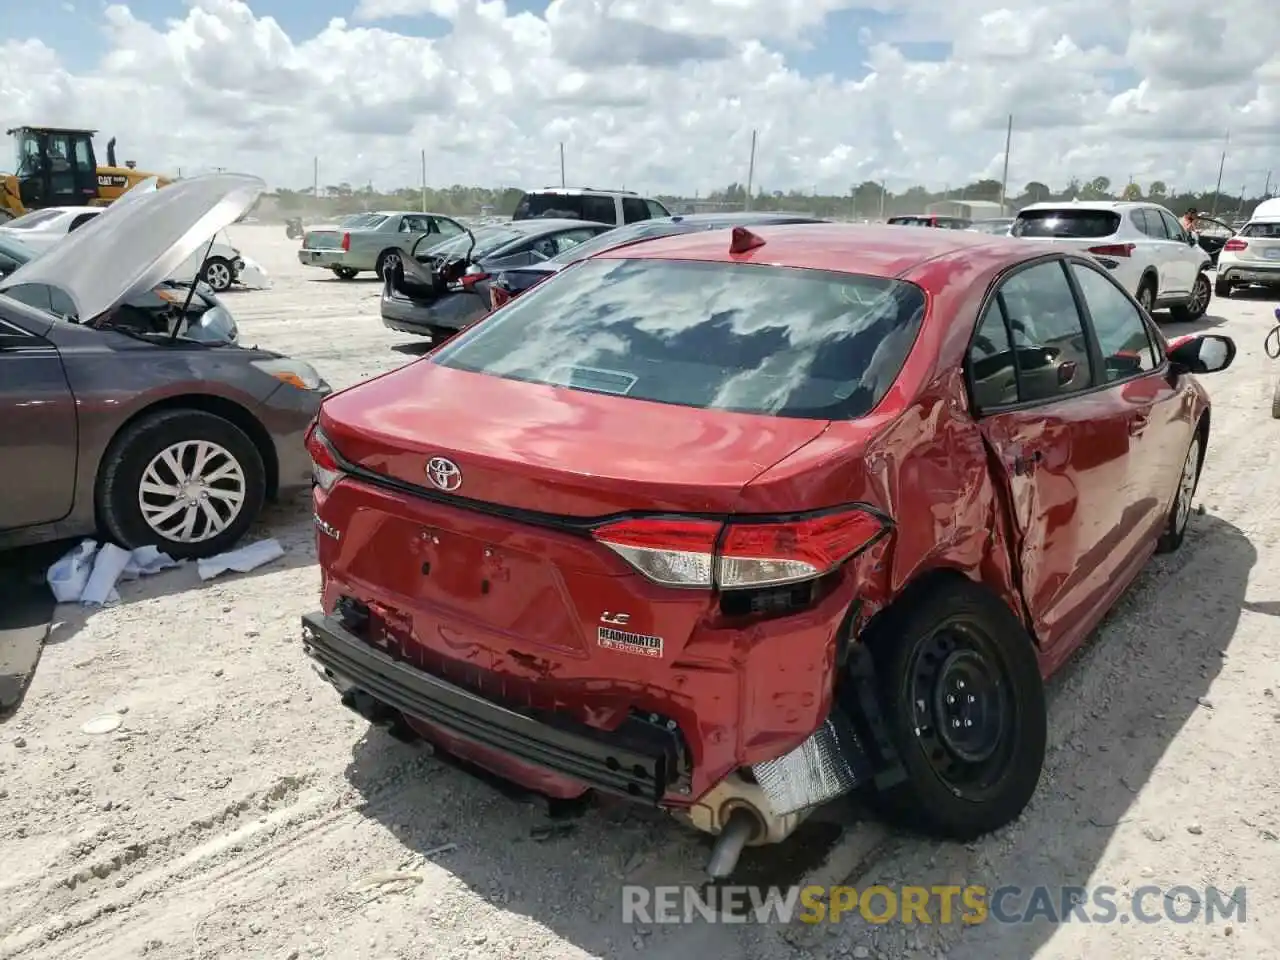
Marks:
<point>741,554</point>
<point>498,294</point>
<point>1235,245</point>
<point>325,467</point>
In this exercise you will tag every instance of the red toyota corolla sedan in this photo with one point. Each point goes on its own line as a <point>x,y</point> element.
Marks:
<point>732,523</point>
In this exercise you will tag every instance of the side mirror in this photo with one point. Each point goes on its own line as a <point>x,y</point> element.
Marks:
<point>1202,353</point>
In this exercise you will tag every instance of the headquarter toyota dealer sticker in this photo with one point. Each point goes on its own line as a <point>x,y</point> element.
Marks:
<point>624,642</point>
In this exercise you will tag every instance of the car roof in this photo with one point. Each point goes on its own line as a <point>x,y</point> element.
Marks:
<point>1089,205</point>
<point>877,250</point>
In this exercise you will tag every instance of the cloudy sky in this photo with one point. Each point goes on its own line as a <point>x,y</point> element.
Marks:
<point>660,95</point>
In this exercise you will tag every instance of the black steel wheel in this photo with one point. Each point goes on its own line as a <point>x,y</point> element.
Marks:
<point>964,704</point>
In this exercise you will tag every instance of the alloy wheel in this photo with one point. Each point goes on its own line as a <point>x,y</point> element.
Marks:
<point>1147,299</point>
<point>218,276</point>
<point>1199,296</point>
<point>192,491</point>
<point>1187,486</point>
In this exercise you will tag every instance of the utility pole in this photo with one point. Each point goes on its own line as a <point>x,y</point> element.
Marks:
<point>315,177</point>
<point>424,181</point>
<point>882,195</point>
<point>1266,190</point>
<point>751,171</point>
<point>1004,180</point>
<point>853,202</point>
<point>562,165</point>
<point>1221,164</point>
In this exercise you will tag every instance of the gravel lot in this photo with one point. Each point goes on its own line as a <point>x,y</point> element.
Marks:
<point>239,811</point>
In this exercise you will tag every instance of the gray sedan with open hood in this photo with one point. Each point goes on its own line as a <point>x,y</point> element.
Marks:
<point>126,424</point>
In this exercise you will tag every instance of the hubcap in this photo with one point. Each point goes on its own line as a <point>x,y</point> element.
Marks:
<point>1187,485</point>
<point>390,263</point>
<point>963,712</point>
<point>192,491</point>
<point>1147,299</point>
<point>219,276</point>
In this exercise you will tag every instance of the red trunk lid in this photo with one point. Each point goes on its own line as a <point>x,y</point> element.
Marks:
<point>552,449</point>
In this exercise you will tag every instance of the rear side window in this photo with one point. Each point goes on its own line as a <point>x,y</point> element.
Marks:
<point>657,210</point>
<point>634,210</point>
<point>1149,222</point>
<point>557,205</point>
<point>1066,223</point>
<point>742,337</point>
<point>80,221</point>
<point>1263,231</point>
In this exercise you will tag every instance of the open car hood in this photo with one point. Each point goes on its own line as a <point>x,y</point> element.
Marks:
<point>139,240</point>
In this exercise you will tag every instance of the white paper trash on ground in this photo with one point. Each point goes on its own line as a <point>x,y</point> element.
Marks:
<point>241,560</point>
<point>88,573</point>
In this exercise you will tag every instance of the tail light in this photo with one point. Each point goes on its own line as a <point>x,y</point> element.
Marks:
<point>498,296</point>
<point>686,552</point>
<point>1113,250</point>
<point>469,280</point>
<point>1235,245</point>
<point>346,243</point>
<point>326,469</point>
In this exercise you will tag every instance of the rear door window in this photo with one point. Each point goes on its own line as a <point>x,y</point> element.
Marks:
<point>634,210</point>
<point>446,227</point>
<point>1047,330</point>
<point>657,210</point>
<point>743,337</point>
<point>599,209</point>
<point>1149,223</point>
<point>564,242</point>
<point>1066,223</point>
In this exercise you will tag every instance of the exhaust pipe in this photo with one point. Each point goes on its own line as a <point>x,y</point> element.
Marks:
<point>743,824</point>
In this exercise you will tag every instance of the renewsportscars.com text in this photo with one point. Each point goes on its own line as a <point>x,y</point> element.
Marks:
<point>934,905</point>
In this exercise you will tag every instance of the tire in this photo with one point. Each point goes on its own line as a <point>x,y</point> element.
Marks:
<point>1175,530</point>
<point>218,274</point>
<point>345,273</point>
<point>1196,306</point>
<point>387,259</point>
<point>1222,288</point>
<point>958,790</point>
<point>136,454</point>
<point>1147,295</point>
<point>441,335</point>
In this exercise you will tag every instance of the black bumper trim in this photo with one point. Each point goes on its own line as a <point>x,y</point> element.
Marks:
<point>638,761</point>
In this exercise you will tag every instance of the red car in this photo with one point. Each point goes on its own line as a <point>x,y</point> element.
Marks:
<point>734,524</point>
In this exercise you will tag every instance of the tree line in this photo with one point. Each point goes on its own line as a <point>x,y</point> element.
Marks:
<point>865,200</point>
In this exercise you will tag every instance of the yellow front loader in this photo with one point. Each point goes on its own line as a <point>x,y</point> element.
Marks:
<point>57,167</point>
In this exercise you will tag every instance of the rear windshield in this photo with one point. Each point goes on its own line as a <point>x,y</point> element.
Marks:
<point>1080,224</point>
<point>742,337</point>
<point>1269,231</point>
<point>488,240</point>
<point>33,219</point>
<point>363,220</point>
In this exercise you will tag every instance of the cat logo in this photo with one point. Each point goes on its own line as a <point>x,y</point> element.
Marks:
<point>112,180</point>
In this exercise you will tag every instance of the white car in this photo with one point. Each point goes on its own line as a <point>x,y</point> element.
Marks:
<point>1252,256</point>
<point>223,266</point>
<point>1142,244</point>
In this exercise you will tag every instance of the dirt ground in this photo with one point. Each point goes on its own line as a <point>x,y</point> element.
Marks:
<point>240,812</point>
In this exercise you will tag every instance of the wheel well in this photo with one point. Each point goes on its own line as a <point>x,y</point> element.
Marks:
<point>220,407</point>
<point>1202,429</point>
<point>921,585</point>
<point>1150,274</point>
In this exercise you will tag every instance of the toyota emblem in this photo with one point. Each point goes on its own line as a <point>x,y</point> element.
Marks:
<point>444,473</point>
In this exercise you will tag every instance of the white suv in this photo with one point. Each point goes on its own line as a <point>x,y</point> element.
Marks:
<point>1253,254</point>
<point>1142,244</point>
<point>614,207</point>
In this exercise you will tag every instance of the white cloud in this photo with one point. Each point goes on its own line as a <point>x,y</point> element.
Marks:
<point>662,95</point>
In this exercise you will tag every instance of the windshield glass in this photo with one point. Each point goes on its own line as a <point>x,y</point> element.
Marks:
<point>16,250</point>
<point>611,239</point>
<point>741,337</point>
<point>1068,223</point>
<point>33,219</point>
